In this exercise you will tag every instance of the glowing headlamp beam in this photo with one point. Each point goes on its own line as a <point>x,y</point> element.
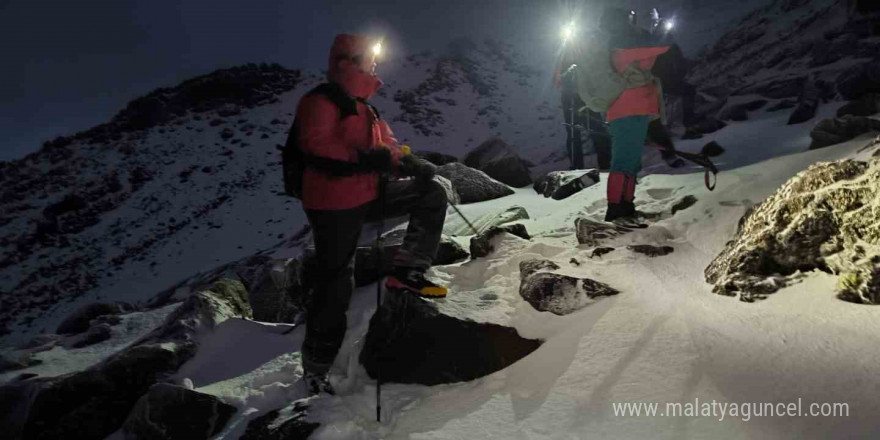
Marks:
<point>568,31</point>
<point>377,49</point>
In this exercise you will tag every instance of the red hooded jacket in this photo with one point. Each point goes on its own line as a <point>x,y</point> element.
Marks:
<point>323,133</point>
<point>641,100</point>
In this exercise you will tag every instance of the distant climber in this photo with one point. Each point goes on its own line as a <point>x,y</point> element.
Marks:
<point>346,147</point>
<point>578,118</point>
<point>633,52</point>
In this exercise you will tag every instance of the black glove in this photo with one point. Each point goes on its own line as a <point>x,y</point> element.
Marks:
<point>417,167</point>
<point>376,159</point>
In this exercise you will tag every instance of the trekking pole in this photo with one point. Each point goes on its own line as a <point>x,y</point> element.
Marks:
<point>383,180</point>
<point>462,216</point>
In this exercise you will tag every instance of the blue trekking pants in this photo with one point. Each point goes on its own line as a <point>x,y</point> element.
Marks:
<point>627,143</point>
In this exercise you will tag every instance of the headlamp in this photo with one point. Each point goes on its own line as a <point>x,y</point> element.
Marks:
<point>568,31</point>
<point>669,25</point>
<point>377,49</point>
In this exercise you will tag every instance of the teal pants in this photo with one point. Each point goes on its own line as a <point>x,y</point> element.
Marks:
<point>627,142</point>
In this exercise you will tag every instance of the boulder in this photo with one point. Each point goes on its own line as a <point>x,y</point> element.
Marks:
<point>740,112</point>
<point>814,221</point>
<point>559,185</point>
<point>78,321</point>
<point>555,293</point>
<point>97,333</point>
<point>650,250</point>
<point>834,131</point>
<point>473,185</point>
<point>458,227</point>
<point>278,295</point>
<point>600,251</point>
<point>436,158</point>
<point>500,162</point>
<point>592,233</point>
<point>95,402</point>
<point>867,105</point>
<point>17,360</point>
<point>168,412</point>
<point>412,341</point>
<point>483,244</point>
<point>290,422</point>
<point>859,80</point>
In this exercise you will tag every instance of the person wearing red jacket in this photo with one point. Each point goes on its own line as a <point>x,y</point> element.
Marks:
<point>338,202</point>
<point>630,114</point>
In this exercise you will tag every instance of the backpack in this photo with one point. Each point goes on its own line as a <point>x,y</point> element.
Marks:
<point>598,82</point>
<point>294,161</point>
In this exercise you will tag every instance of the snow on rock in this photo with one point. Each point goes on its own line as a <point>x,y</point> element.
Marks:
<point>412,341</point>
<point>484,244</point>
<point>495,158</point>
<point>559,185</point>
<point>473,185</point>
<point>824,218</point>
<point>486,221</point>
<point>290,422</point>
<point>591,232</point>
<point>836,130</point>
<point>94,403</point>
<point>555,293</point>
<point>79,320</point>
<point>168,412</point>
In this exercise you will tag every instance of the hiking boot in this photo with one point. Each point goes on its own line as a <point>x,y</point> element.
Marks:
<point>624,214</point>
<point>413,280</point>
<point>317,384</point>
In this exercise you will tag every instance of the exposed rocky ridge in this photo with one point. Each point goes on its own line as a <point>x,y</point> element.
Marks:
<point>824,218</point>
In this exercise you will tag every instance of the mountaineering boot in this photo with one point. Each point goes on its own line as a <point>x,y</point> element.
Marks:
<point>413,280</point>
<point>317,384</point>
<point>624,214</point>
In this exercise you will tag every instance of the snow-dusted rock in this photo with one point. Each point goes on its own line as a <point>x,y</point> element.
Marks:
<point>592,232</point>
<point>473,185</point>
<point>859,80</point>
<point>168,412</point>
<point>495,158</point>
<point>414,342</point>
<point>834,131</point>
<point>482,245</point>
<point>17,360</point>
<point>96,333</point>
<point>290,422</point>
<point>94,403</point>
<point>482,223</point>
<point>867,105</point>
<point>826,217</point>
<point>651,250</point>
<point>79,320</point>
<point>559,185</point>
<point>555,293</point>
<point>436,158</point>
<point>683,203</point>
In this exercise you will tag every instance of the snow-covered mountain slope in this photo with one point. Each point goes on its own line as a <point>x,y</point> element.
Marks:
<point>189,177</point>
<point>665,338</point>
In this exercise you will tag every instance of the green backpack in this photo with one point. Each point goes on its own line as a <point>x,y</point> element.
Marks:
<point>598,83</point>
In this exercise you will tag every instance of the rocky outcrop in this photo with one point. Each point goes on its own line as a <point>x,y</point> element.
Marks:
<point>473,185</point>
<point>290,422</point>
<point>592,233</point>
<point>459,227</point>
<point>168,412</point>
<point>859,80</point>
<point>79,320</point>
<point>483,244</point>
<point>866,105</point>
<point>559,185</point>
<point>827,218</point>
<point>555,293</point>
<point>834,131</point>
<point>412,341</point>
<point>94,403</point>
<point>495,158</point>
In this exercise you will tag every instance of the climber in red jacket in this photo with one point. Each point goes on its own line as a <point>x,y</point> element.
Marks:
<point>348,147</point>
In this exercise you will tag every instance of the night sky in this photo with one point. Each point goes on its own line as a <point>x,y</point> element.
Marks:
<point>70,65</point>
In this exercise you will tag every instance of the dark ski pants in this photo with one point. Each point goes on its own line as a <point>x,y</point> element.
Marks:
<point>573,140</point>
<point>336,234</point>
